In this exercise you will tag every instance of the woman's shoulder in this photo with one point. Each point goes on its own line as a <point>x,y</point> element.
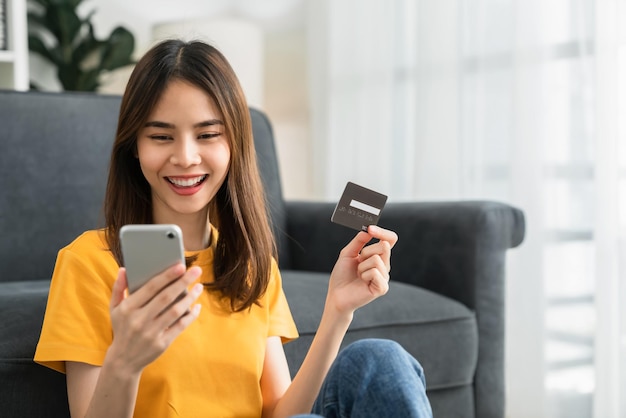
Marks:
<point>88,252</point>
<point>89,242</point>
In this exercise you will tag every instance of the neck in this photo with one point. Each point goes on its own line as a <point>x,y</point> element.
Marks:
<point>195,228</point>
<point>196,235</point>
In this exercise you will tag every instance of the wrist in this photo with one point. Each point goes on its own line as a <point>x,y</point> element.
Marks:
<point>335,316</point>
<point>118,369</point>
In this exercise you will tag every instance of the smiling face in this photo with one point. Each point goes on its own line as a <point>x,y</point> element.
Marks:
<point>184,153</point>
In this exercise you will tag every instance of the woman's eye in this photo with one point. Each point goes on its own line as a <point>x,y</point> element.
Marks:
<point>160,137</point>
<point>208,135</point>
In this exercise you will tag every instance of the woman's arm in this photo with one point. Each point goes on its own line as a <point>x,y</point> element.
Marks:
<point>116,394</point>
<point>142,330</point>
<point>360,275</point>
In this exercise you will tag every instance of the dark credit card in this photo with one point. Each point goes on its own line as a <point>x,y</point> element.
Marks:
<point>358,207</point>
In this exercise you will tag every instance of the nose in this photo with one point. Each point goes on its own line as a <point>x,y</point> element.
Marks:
<point>185,153</point>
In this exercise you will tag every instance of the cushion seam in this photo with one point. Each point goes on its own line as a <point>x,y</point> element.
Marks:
<point>448,385</point>
<point>435,321</point>
<point>402,324</point>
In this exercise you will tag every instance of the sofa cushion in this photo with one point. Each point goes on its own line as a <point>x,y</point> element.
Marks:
<point>27,389</point>
<point>440,332</point>
<point>22,306</point>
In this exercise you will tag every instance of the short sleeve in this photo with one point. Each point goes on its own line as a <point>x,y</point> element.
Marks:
<point>77,325</point>
<point>281,321</point>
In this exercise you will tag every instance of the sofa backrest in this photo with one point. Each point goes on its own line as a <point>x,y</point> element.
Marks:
<point>53,168</point>
<point>267,159</point>
<point>54,156</point>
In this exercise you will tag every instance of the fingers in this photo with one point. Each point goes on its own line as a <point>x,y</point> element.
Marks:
<point>173,298</point>
<point>184,320</point>
<point>375,260</point>
<point>163,300</point>
<point>147,321</point>
<point>374,272</point>
<point>147,292</point>
<point>177,309</point>
<point>354,247</point>
<point>383,234</point>
<point>173,308</point>
<point>387,239</point>
<point>171,291</point>
<point>381,249</point>
<point>377,282</point>
<point>117,293</point>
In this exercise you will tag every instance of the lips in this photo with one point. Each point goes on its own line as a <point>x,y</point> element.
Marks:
<point>186,182</point>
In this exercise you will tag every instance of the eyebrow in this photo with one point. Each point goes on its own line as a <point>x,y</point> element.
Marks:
<point>166,125</point>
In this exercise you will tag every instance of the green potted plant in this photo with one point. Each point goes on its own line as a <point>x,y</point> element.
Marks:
<point>67,41</point>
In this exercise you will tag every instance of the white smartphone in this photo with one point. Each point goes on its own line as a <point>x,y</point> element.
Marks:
<point>149,250</point>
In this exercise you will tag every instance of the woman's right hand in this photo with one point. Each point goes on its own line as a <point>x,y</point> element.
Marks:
<point>147,321</point>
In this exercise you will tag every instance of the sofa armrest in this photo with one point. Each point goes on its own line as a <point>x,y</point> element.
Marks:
<point>456,249</point>
<point>459,250</point>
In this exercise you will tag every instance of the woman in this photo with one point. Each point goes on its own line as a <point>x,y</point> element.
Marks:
<point>184,154</point>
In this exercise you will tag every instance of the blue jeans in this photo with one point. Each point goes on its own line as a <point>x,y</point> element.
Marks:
<point>373,378</point>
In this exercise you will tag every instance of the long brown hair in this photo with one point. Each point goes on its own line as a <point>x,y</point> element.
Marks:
<point>245,247</point>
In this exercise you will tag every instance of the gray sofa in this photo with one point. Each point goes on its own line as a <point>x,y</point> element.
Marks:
<point>445,304</point>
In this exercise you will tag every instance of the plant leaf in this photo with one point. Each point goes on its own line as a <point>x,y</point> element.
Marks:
<point>36,21</point>
<point>76,49</point>
<point>74,79</point>
<point>68,76</point>
<point>88,45</point>
<point>71,3</point>
<point>118,49</point>
<point>43,3</point>
<point>88,80</point>
<point>65,25</point>
<point>37,46</point>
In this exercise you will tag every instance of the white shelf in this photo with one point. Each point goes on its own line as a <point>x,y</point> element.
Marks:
<point>7,56</point>
<point>14,61</point>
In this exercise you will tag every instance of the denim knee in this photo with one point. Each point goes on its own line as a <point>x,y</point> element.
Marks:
<point>374,378</point>
<point>377,353</point>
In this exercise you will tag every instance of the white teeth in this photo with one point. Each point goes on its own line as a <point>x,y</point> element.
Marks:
<point>186,182</point>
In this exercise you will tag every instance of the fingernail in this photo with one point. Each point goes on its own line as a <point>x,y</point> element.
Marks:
<point>196,309</point>
<point>195,270</point>
<point>197,289</point>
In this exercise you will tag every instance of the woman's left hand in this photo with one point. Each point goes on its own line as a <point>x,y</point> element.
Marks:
<point>361,273</point>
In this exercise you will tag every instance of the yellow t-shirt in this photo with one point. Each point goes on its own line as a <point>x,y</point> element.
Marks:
<point>212,369</point>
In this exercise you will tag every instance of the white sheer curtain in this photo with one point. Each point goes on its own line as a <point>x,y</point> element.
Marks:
<point>361,96</point>
<point>610,222</point>
<point>515,100</point>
